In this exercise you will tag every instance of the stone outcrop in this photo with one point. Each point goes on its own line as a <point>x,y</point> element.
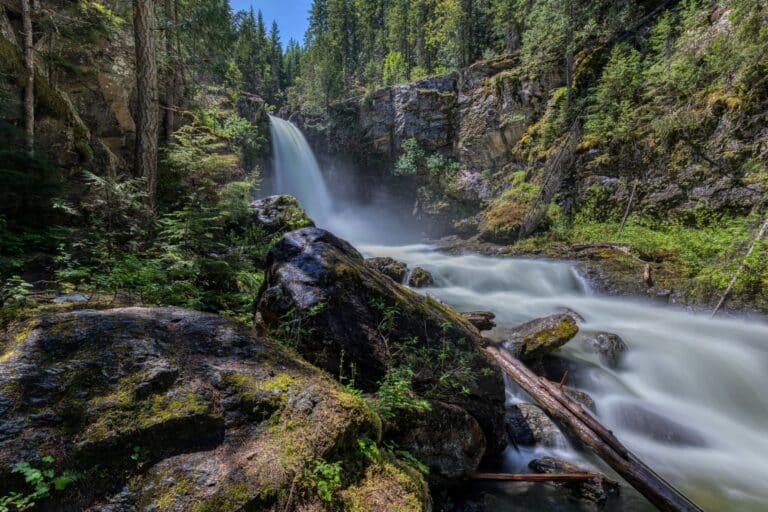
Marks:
<point>169,409</point>
<point>352,320</point>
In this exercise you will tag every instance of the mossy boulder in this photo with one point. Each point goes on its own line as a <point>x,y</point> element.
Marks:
<point>537,338</point>
<point>167,409</point>
<point>279,214</point>
<point>397,270</point>
<point>420,278</point>
<point>352,320</point>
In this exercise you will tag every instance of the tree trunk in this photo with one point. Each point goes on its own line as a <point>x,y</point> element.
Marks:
<point>29,85</point>
<point>172,85</point>
<point>147,125</point>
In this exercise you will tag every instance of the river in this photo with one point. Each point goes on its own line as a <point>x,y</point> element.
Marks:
<point>689,397</point>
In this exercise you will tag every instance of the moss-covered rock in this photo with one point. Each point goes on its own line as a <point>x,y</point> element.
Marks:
<point>174,410</point>
<point>354,321</point>
<point>420,278</point>
<point>279,214</point>
<point>541,336</point>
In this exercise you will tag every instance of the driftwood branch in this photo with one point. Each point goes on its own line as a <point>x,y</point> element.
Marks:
<point>535,477</point>
<point>735,277</point>
<point>594,435</point>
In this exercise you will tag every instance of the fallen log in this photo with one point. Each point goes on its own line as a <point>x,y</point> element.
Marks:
<point>535,477</point>
<point>596,437</point>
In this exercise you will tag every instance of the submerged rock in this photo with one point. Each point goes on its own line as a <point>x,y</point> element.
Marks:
<point>482,320</point>
<point>187,410</point>
<point>355,320</point>
<point>541,336</point>
<point>420,278</point>
<point>397,270</point>
<point>650,424</point>
<point>529,425</point>
<point>596,489</point>
<point>279,214</point>
<point>609,347</point>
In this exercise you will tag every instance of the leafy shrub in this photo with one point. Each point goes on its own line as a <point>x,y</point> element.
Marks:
<point>396,394</point>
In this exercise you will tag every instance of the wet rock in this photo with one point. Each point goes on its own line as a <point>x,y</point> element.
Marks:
<point>539,337</point>
<point>420,278</point>
<point>609,347</point>
<point>165,408</point>
<point>482,320</point>
<point>346,307</point>
<point>596,489</point>
<point>653,425</point>
<point>397,270</point>
<point>580,396</point>
<point>279,214</point>
<point>529,425</point>
<point>454,453</point>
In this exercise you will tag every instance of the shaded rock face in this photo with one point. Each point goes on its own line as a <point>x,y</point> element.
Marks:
<point>279,214</point>
<point>353,314</point>
<point>610,348</point>
<point>179,410</point>
<point>445,438</point>
<point>420,278</point>
<point>397,270</point>
<point>529,425</point>
<point>539,337</point>
<point>596,489</point>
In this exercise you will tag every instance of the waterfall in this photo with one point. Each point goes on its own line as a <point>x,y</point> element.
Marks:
<point>296,169</point>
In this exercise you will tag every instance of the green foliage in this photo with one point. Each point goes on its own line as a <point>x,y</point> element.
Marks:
<point>327,478</point>
<point>396,394</point>
<point>42,481</point>
<point>395,69</point>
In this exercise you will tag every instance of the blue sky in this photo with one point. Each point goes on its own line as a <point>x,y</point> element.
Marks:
<point>291,15</point>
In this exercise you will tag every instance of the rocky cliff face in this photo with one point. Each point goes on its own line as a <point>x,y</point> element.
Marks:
<point>494,118</point>
<point>475,116</point>
<point>85,85</point>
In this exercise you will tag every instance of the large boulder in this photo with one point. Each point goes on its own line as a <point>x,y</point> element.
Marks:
<point>279,214</point>
<point>539,337</point>
<point>350,319</point>
<point>169,409</point>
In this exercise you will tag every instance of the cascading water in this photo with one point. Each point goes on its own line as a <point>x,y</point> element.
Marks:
<point>690,397</point>
<point>296,169</point>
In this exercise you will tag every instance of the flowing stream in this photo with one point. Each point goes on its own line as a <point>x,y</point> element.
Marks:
<point>690,397</point>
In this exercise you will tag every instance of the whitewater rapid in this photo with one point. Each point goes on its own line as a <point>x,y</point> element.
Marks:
<point>706,377</point>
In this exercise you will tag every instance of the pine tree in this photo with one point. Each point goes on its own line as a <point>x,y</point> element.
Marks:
<point>148,123</point>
